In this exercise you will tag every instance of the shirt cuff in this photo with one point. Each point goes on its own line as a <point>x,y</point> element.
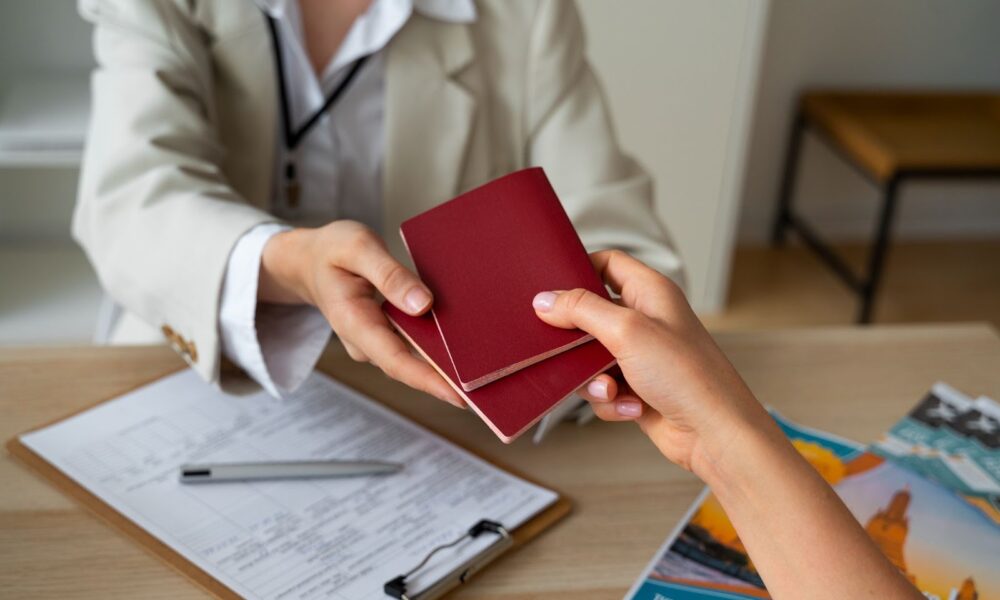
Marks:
<point>277,345</point>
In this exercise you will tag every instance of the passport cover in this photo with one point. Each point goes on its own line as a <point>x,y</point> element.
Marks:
<point>514,403</point>
<point>484,255</point>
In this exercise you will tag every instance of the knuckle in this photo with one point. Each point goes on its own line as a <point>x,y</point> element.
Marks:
<point>391,275</point>
<point>391,369</point>
<point>348,313</point>
<point>670,288</point>
<point>392,364</point>
<point>617,333</point>
<point>334,319</point>
<point>635,322</point>
<point>358,240</point>
<point>573,299</point>
<point>673,298</point>
<point>617,254</point>
<point>353,351</point>
<point>629,325</point>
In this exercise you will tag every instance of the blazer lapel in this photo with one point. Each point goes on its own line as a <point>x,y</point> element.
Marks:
<point>428,120</point>
<point>265,99</point>
<point>247,107</point>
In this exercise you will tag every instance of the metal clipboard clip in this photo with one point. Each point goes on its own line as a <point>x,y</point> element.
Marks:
<point>396,587</point>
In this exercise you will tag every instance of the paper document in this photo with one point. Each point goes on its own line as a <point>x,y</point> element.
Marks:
<point>334,538</point>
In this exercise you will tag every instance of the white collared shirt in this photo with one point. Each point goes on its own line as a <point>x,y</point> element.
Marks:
<point>339,167</point>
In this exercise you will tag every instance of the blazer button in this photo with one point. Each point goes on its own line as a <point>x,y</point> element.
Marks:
<point>172,337</point>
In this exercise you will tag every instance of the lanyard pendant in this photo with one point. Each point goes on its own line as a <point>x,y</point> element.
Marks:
<point>294,136</point>
<point>291,185</point>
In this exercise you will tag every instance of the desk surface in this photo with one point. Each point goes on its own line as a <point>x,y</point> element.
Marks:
<point>854,382</point>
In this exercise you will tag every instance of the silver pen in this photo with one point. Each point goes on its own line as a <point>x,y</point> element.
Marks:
<point>308,469</point>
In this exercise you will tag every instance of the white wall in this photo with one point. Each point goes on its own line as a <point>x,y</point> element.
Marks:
<point>39,37</point>
<point>46,34</point>
<point>679,76</point>
<point>861,43</point>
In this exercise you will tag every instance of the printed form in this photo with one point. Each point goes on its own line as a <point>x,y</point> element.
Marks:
<point>321,538</point>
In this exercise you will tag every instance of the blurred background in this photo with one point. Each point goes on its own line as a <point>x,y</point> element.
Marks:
<point>713,125</point>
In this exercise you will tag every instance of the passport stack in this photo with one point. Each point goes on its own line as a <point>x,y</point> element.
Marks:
<point>484,255</point>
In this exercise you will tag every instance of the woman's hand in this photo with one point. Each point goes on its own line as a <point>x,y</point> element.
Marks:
<point>690,401</point>
<point>338,269</point>
<point>680,388</point>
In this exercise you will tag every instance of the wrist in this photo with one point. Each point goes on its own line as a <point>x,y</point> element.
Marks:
<point>281,279</point>
<point>732,454</point>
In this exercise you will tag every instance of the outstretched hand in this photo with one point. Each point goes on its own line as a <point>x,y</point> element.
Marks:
<point>688,398</point>
<point>339,268</point>
<point>678,386</point>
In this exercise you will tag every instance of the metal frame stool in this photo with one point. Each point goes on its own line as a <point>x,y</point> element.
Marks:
<point>890,138</point>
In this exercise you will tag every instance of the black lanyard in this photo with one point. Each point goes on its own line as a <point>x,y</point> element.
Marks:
<point>293,137</point>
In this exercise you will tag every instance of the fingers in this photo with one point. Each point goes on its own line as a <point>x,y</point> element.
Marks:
<point>640,286</point>
<point>612,325</point>
<point>600,389</point>
<point>354,352</point>
<point>617,267</point>
<point>402,366</point>
<point>366,255</point>
<point>608,402</point>
<point>623,408</point>
<point>362,325</point>
<point>390,354</point>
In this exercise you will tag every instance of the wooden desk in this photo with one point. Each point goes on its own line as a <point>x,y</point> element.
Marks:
<point>854,382</point>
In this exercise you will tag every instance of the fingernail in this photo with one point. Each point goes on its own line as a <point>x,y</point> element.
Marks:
<point>544,301</point>
<point>598,388</point>
<point>628,408</point>
<point>417,299</point>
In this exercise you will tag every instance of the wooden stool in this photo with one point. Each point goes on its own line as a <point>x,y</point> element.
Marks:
<point>890,137</point>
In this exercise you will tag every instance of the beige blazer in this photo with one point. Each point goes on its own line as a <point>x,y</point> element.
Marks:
<point>179,159</point>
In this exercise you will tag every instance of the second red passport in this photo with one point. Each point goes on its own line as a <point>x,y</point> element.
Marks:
<point>513,404</point>
<point>484,255</point>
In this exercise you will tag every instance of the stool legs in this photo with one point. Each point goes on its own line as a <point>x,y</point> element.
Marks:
<point>877,255</point>
<point>865,286</point>
<point>783,217</point>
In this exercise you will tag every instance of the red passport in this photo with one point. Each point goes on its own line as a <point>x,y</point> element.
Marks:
<point>514,403</point>
<point>484,255</point>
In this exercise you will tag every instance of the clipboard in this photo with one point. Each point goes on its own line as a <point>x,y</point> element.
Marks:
<point>507,541</point>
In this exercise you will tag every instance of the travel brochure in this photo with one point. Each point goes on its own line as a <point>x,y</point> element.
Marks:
<point>927,493</point>
<point>953,440</point>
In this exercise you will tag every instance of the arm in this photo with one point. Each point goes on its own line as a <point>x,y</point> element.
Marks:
<point>159,221</point>
<point>155,214</point>
<point>691,402</point>
<point>338,268</point>
<point>277,345</point>
<point>606,193</point>
<point>285,288</point>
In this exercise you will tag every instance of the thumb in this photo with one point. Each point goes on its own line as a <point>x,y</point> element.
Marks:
<point>372,261</point>
<point>583,309</point>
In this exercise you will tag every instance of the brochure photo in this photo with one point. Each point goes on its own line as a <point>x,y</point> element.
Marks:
<point>944,544</point>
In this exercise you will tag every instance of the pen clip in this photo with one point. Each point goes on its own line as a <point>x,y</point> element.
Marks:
<point>192,473</point>
<point>396,587</point>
